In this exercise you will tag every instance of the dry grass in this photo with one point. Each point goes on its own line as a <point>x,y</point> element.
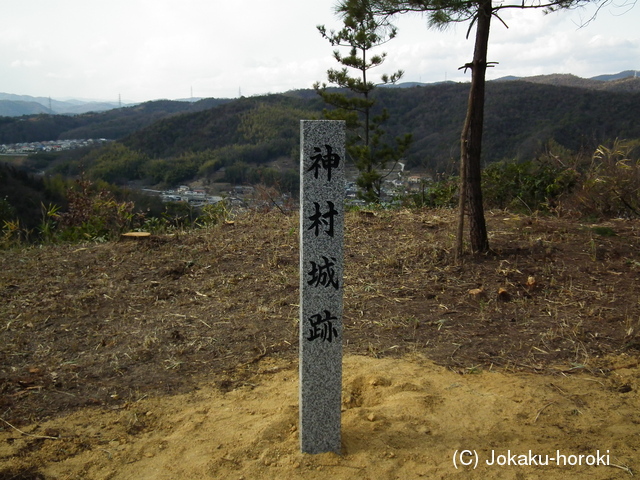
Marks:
<point>103,324</point>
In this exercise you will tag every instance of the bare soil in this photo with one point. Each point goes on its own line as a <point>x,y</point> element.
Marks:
<point>175,356</point>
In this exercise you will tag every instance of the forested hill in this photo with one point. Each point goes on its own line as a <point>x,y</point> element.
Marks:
<point>270,123</point>
<point>521,117</point>
<point>113,124</point>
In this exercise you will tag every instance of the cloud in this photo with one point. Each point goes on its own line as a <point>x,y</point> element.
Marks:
<point>145,49</point>
<point>25,63</point>
<point>59,76</point>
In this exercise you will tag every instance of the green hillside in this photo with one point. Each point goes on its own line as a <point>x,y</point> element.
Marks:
<point>271,123</point>
<point>521,118</point>
<point>256,139</point>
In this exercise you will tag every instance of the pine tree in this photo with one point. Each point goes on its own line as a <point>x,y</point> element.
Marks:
<point>365,146</point>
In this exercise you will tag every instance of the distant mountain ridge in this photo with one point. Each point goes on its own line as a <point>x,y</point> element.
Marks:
<point>17,105</point>
<point>623,81</point>
<point>617,76</point>
<point>619,82</point>
<point>112,124</point>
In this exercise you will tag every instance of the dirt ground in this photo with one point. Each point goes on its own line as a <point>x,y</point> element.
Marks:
<point>176,356</point>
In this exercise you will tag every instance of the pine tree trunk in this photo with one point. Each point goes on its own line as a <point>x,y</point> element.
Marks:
<point>462,190</point>
<point>471,140</point>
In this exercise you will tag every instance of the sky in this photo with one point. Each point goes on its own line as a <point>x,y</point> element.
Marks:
<point>139,50</point>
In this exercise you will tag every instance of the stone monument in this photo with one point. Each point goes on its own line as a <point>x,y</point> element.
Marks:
<point>322,159</point>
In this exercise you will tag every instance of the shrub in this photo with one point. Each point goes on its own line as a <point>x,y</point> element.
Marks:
<point>527,186</point>
<point>611,184</point>
<point>94,214</point>
<point>213,214</point>
<point>443,192</point>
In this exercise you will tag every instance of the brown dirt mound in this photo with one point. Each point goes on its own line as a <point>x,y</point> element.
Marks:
<point>402,418</point>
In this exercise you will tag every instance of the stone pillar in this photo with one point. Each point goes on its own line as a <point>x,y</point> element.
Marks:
<point>322,191</point>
